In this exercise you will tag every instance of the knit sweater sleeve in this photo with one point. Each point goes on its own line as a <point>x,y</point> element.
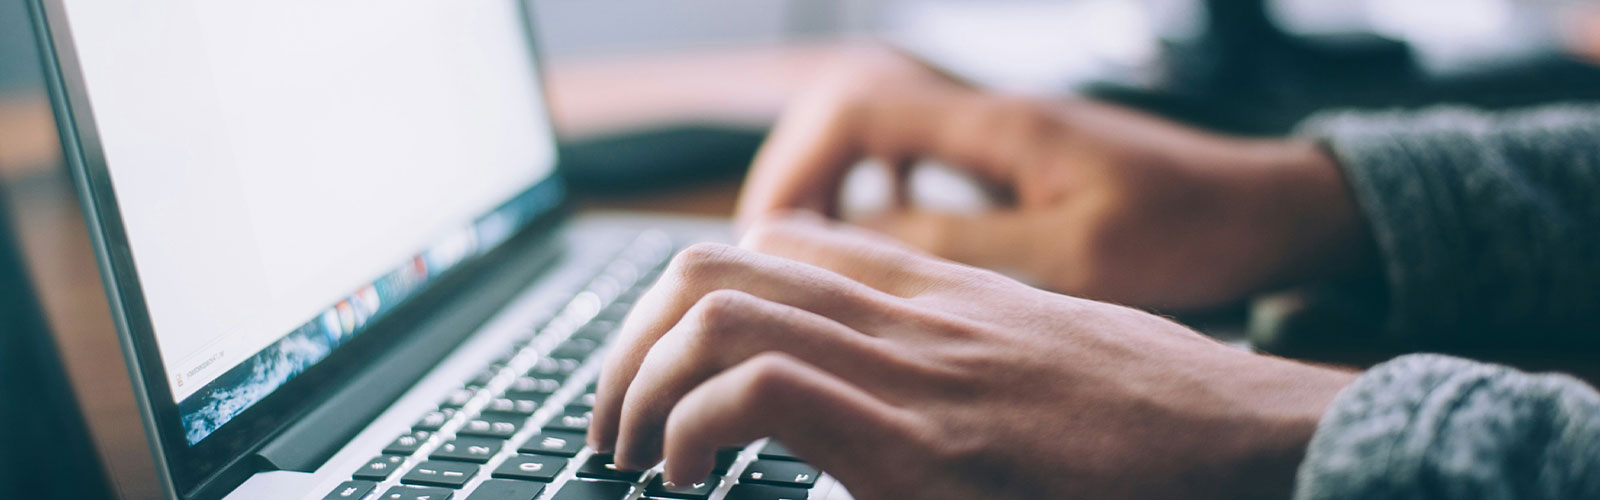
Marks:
<point>1435,427</point>
<point>1488,224</point>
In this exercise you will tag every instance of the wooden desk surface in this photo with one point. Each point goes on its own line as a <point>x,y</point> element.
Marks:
<point>587,98</point>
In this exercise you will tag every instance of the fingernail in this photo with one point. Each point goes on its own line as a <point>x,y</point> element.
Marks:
<point>624,462</point>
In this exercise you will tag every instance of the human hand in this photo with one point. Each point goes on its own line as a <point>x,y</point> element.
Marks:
<point>1099,201</point>
<point>907,376</point>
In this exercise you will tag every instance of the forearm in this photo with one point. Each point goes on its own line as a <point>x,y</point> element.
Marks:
<point>1432,427</point>
<point>1486,224</point>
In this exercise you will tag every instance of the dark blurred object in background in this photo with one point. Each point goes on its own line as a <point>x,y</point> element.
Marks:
<point>1260,66</point>
<point>1245,66</point>
<point>47,451</point>
<point>659,158</point>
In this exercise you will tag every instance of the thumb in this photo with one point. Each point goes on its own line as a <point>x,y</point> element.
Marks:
<point>997,239</point>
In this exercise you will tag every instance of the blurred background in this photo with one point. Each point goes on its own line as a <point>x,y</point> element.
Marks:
<point>660,104</point>
<point>1252,66</point>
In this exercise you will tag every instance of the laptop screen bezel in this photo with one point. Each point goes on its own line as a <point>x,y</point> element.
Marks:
<point>184,468</point>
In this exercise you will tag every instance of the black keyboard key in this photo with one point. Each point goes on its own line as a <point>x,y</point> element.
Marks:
<point>565,367</point>
<point>515,407</point>
<point>407,444</point>
<point>725,460</point>
<point>416,493</point>
<point>553,368</point>
<point>577,349</point>
<point>763,492</point>
<point>659,487</point>
<point>468,449</point>
<point>532,388</point>
<point>530,468</point>
<point>501,489</point>
<point>457,398</point>
<point>585,400</point>
<point>561,444</point>
<point>434,420</point>
<point>492,425</point>
<point>774,450</point>
<point>380,468</point>
<point>351,490</point>
<point>779,473</point>
<point>599,466</point>
<point>572,419</point>
<point>593,490</point>
<point>440,473</point>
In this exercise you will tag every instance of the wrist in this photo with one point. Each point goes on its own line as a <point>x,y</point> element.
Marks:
<point>1307,208</point>
<point>1286,402</point>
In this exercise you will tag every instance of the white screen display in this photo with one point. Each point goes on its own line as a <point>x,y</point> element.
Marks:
<point>270,157</point>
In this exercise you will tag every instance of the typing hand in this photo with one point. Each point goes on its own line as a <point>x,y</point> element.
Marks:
<point>1097,201</point>
<point>907,376</point>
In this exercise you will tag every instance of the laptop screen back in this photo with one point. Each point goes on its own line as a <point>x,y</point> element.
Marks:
<point>288,171</point>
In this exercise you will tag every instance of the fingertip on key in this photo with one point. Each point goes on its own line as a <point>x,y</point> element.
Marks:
<point>684,471</point>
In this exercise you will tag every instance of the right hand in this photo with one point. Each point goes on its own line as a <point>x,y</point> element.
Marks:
<point>909,376</point>
<point>1103,202</point>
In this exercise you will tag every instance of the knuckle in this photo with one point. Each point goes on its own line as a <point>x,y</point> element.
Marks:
<point>840,92</point>
<point>766,378</point>
<point>855,79</point>
<point>701,260</point>
<point>721,311</point>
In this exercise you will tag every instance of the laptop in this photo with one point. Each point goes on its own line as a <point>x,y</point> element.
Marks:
<point>46,453</point>
<point>337,246</point>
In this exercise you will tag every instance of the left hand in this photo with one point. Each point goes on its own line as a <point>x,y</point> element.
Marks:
<point>906,376</point>
<point>1099,201</point>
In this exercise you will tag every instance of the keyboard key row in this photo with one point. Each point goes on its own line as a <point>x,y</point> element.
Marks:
<point>555,443</point>
<point>380,468</point>
<point>662,488</point>
<point>468,449</point>
<point>407,444</point>
<point>593,490</point>
<point>454,463</point>
<point>600,466</point>
<point>500,489</point>
<point>492,425</point>
<point>779,473</point>
<point>440,473</point>
<point>572,419</point>
<point>530,468</point>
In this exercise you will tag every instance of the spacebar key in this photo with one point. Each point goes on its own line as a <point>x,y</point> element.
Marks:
<point>592,490</point>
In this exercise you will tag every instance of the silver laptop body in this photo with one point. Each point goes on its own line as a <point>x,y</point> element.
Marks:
<point>339,254</point>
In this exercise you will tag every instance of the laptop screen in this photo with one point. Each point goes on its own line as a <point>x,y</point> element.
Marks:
<point>288,171</point>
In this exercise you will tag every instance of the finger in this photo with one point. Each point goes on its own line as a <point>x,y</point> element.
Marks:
<point>995,239</point>
<point>809,151</point>
<point>724,329</point>
<point>831,423</point>
<point>865,256</point>
<point>701,269</point>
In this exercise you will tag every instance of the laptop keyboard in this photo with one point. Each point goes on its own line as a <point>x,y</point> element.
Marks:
<point>516,430</point>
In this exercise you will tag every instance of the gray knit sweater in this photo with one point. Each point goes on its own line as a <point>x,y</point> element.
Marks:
<point>1489,231</point>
